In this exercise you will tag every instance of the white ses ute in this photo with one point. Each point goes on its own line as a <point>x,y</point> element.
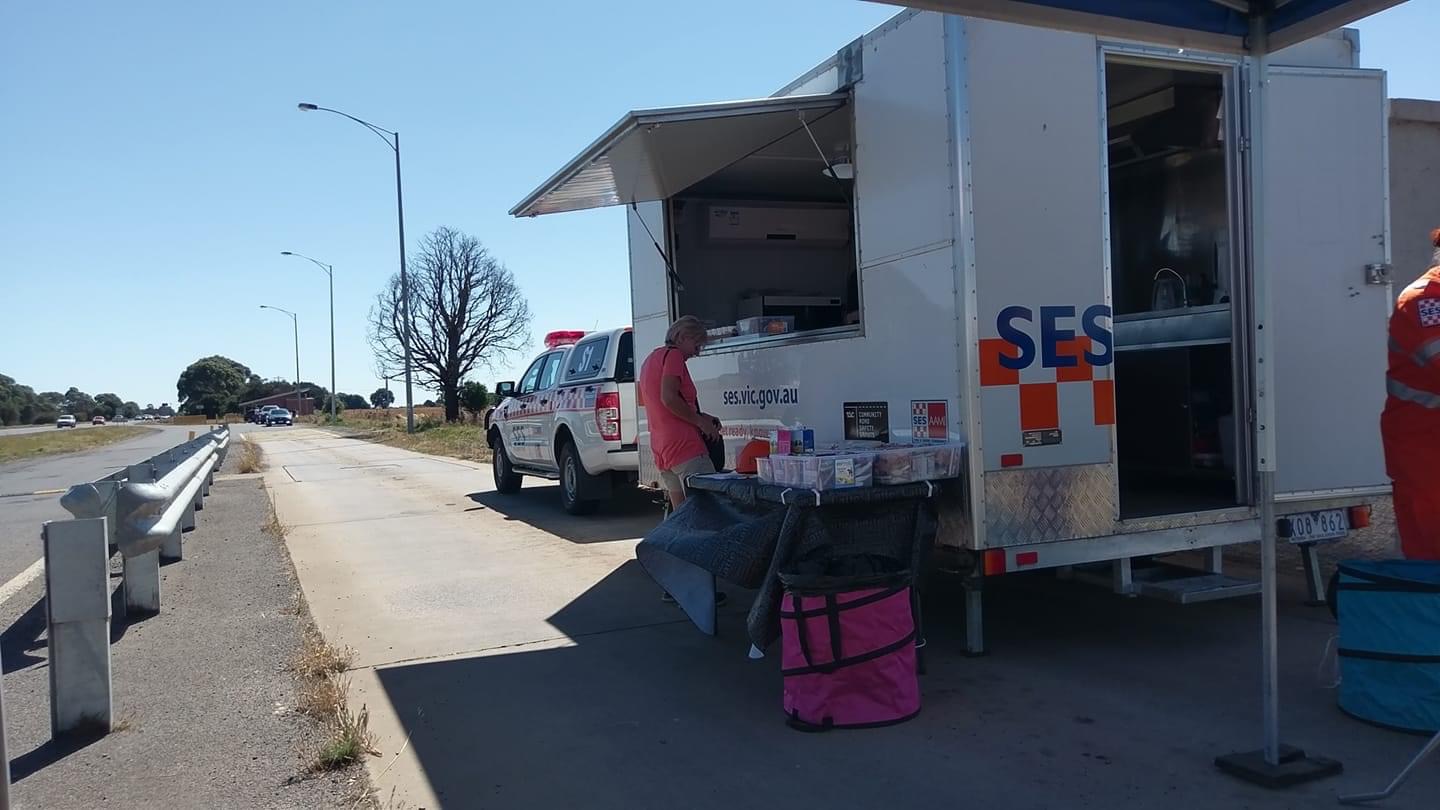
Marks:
<point>571,419</point>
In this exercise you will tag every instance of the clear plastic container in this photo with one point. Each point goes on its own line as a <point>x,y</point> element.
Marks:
<point>844,471</point>
<point>766,325</point>
<point>908,464</point>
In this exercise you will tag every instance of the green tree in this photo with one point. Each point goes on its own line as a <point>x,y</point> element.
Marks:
<point>164,410</point>
<point>475,397</point>
<point>18,403</point>
<point>382,398</point>
<point>47,407</point>
<point>109,405</point>
<point>79,403</point>
<point>353,402</point>
<point>130,410</point>
<point>211,386</point>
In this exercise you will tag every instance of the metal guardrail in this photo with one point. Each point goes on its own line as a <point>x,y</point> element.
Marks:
<point>142,511</point>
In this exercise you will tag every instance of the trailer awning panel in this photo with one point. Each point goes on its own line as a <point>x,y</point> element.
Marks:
<point>655,154</point>
<point>1211,24</point>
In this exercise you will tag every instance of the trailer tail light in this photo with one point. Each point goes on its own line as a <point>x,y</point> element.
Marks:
<point>994,561</point>
<point>1359,517</point>
<point>607,416</point>
<point>1027,558</point>
<point>1012,460</point>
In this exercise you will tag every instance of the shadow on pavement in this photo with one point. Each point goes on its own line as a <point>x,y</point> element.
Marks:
<point>22,638</point>
<point>1087,700</point>
<point>48,753</point>
<point>626,516</point>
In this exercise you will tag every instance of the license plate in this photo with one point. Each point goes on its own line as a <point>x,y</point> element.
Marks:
<point>1326,525</point>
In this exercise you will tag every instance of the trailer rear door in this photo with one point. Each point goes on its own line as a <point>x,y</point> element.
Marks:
<point>1326,219</point>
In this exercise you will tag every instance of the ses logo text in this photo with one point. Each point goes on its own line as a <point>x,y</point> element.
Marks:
<point>1058,327</point>
<point>759,397</point>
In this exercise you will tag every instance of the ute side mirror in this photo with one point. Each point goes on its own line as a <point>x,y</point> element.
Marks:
<point>504,390</point>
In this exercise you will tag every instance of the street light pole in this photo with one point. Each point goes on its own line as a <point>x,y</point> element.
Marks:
<point>393,141</point>
<point>330,272</point>
<point>295,322</point>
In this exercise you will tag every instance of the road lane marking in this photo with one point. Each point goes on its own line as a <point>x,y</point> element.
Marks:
<point>24,578</point>
<point>49,492</point>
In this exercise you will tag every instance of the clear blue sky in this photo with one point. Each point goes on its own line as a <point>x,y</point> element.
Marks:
<point>153,164</point>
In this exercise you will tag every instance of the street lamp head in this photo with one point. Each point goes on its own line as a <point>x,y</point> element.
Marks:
<point>286,253</point>
<point>306,107</point>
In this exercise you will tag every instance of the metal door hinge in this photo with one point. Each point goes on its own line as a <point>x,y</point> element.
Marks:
<point>1243,144</point>
<point>1377,273</point>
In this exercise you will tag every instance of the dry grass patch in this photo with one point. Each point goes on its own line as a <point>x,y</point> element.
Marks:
<point>252,457</point>
<point>273,526</point>
<point>323,689</point>
<point>47,443</point>
<point>319,658</point>
<point>455,440</point>
<point>347,740</point>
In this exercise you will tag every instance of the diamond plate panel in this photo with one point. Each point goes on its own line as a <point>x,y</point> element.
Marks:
<point>1049,503</point>
<point>649,474</point>
<point>1186,520</point>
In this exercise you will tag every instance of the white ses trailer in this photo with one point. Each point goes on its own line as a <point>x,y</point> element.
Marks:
<point>1037,242</point>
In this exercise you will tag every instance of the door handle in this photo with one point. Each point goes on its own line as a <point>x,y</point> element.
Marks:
<point>544,402</point>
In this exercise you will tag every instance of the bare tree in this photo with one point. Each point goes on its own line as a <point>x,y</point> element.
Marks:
<point>465,310</point>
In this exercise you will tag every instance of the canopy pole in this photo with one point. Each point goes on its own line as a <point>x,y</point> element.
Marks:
<point>1274,765</point>
<point>1256,82</point>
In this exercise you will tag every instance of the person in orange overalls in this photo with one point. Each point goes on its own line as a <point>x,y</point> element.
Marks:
<point>1410,424</point>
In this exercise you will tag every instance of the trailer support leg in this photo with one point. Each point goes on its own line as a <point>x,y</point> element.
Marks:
<point>1124,581</point>
<point>1313,580</point>
<point>1215,560</point>
<point>974,617</point>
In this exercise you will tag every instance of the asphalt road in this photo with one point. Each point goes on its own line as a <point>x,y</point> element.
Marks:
<point>22,512</point>
<point>17,431</point>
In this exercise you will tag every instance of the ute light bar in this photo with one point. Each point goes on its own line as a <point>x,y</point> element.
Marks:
<point>562,338</point>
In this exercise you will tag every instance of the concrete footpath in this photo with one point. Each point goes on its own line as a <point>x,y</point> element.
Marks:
<point>512,656</point>
<point>202,696</point>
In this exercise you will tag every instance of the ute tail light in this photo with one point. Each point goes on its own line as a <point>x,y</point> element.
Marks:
<point>607,416</point>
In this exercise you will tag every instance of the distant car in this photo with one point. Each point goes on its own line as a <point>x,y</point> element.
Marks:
<point>65,420</point>
<point>278,416</point>
<point>97,420</point>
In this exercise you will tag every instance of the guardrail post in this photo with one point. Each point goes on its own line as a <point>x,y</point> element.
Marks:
<point>77,594</point>
<point>142,571</point>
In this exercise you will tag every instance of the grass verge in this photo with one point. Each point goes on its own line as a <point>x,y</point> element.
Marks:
<point>320,666</point>
<point>462,441</point>
<point>33,445</point>
<point>252,458</point>
<point>347,739</point>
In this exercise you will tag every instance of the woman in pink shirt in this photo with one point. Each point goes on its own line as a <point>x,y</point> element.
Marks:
<point>677,427</point>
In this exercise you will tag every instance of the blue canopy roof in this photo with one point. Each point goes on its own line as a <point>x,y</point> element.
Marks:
<point>1214,24</point>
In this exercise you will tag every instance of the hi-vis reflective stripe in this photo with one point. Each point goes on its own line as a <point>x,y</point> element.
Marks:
<point>1429,350</point>
<point>1400,390</point>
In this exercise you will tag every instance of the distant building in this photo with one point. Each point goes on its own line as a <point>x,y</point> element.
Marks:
<point>298,402</point>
